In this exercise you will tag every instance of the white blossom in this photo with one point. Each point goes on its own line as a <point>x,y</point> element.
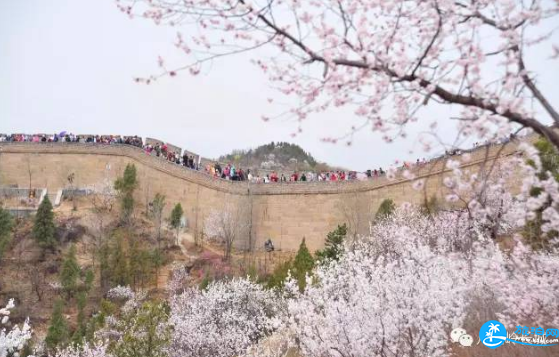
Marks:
<point>12,341</point>
<point>224,320</point>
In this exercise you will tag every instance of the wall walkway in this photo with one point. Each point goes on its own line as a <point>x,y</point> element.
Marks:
<point>283,212</point>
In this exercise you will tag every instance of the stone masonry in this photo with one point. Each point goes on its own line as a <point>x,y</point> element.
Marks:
<point>283,212</point>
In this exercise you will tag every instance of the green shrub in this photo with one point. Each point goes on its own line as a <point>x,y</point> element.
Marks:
<point>302,265</point>
<point>532,231</point>
<point>125,186</point>
<point>385,209</point>
<point>6,225</point>
<point>277,279</point>
<point>70,272</point>
<point>44,228</point>
<point>334,245</point>
<point>175,220</point>
<point>57,333</point>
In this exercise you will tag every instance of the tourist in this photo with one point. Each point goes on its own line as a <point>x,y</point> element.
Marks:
<point>230,172</point>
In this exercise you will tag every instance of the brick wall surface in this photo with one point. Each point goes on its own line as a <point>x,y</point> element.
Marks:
<point>283,212</point>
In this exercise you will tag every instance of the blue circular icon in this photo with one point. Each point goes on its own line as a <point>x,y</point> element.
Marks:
<point>493,334</point>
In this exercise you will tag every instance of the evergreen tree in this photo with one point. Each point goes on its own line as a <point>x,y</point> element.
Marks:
<point>549,158</point>
<point>302,265</point>
<point>119,273</point>
<point>205,281</point>
<point>140,264</point>
<point>6,225</point>
<point>278,277</point>
<point>127,206</point>
<point>70,272</point>
<point>333,246</point>
<point>175,220</point>
<point>145,332</point>
<point>431,206</point>
<point>156,211</point>
<point>44,229</point>
<point>80,332</point>
<point>104,267</point>
<point>89,276</point>
<point>385,209</point>
<point>125,186</point>
<point>57,333</point>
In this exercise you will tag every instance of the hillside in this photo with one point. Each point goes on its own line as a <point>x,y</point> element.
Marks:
<point>278,156</point>
<point>114,254</point>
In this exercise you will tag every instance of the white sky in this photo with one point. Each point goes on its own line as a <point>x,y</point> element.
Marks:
<point>70,64</point>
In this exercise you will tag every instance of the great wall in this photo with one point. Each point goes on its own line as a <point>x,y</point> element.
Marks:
<point>283,212</point>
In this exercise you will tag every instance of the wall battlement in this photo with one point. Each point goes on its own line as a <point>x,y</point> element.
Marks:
<point>283,212</point>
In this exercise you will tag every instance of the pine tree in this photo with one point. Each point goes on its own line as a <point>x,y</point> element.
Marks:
<point>278,277</point>
<point>104,266</point>
<point>156,211</point>
<point>145,332</point>
<point>127,206</point>
<point>302,265</point>
<point>333,246</point>
<point>140,264</point>
<point>70,272</point>
<point>175,220</point>
<point>386,208</point>
<point>120,274</point>
<point>431,206</point>
<point>125,186</point>
<point>44,229</point>
<point>81,328</point>
<point>6,225</point>
<point>89,277</point>
<point>57,333</point>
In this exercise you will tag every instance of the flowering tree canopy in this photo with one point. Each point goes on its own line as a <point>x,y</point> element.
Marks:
<point>85,351</point>
<point>375,55</point>
<point>383,293</point>
<point>398,292</point>
<point>224,320</point>
<point>402,290</point>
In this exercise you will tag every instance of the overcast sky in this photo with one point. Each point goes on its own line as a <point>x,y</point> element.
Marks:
<point>70,64</point>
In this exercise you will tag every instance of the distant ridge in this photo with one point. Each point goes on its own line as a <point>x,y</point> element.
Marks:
<point>276,156</point>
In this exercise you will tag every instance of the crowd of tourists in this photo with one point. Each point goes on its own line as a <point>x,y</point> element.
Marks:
<point>230,172</point>
<point>217,170</point>
<point>65,137</point>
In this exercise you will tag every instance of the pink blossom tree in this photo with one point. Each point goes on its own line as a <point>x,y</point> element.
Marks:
<point>383,304</point>
<point>402,290</point>
<point>375,56</point>
<point>388,61</point>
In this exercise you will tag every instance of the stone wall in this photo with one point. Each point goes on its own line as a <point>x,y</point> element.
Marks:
<point>283,212</point>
